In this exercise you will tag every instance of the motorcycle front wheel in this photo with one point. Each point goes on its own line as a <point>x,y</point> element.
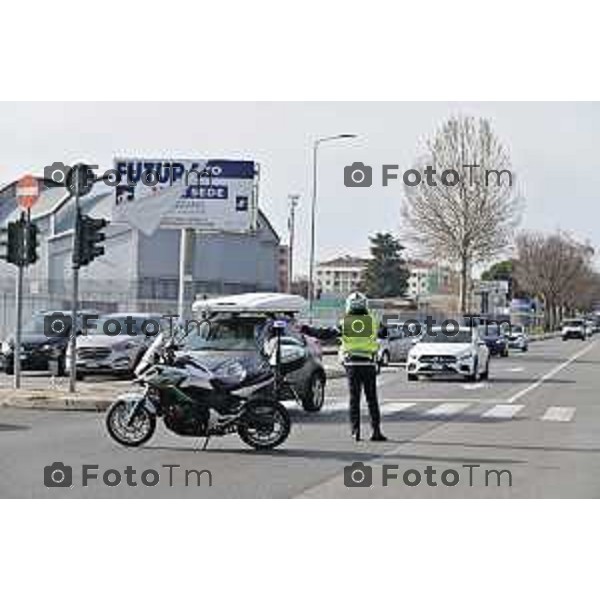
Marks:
<point>127,431</point>
<point>265,424</point>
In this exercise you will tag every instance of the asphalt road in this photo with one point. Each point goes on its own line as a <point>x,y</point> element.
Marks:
<point>533,431</point>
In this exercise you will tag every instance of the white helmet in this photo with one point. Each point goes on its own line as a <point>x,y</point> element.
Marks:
<point>356,303</point>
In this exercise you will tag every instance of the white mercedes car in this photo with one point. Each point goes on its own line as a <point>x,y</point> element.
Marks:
<point>462,353</point>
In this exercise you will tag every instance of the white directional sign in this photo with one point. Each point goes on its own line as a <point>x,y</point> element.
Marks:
<point>208,195</point>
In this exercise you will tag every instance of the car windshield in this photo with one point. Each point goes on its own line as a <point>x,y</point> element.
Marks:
<point>573,323</point>
<point>35,325</point>
<point>489,330</point>
<point>438,337</point>
<point>239,334</point>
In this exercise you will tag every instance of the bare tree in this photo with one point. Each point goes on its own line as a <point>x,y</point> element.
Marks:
<point>558,270</point>
<point>464,210</point>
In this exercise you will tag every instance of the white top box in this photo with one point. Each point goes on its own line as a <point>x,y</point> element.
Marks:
<point>252,303</point>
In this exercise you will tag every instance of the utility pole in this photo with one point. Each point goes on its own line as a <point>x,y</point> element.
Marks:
<point>293,198</point>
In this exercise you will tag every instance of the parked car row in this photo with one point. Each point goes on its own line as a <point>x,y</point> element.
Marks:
<point>109,345</point>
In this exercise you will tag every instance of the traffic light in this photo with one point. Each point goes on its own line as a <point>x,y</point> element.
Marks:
<point>20,243</point>
<point>88,236</point>
<point>31,243</point>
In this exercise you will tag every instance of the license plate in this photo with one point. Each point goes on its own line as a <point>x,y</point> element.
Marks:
<point>437,367</point>
<point>91,365</point>
<point>23,356</point>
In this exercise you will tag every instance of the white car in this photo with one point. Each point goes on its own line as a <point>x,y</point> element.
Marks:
<point>463,353</point>
<point>574,328</point>
<point>517,337</point>
<point>394,344</point>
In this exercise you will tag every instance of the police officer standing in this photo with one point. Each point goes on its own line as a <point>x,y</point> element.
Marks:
<point>359,356</point>
<point>358,352</point>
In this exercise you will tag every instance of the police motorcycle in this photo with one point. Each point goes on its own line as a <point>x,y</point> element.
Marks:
<point>197,400</point>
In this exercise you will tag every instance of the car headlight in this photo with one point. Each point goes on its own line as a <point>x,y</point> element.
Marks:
<point>6,348</point>
<point>47,347</point>
<point>232,371</point>
<point>466,355</point>
<point>128,345</point>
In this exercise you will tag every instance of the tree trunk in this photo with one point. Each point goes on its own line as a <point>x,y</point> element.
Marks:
<point>464,283</point>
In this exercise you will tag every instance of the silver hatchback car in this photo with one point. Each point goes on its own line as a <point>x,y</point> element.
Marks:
<point>116,343</point>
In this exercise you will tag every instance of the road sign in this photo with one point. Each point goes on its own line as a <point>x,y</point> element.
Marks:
<point>28,191</point>
<point>205,195</point>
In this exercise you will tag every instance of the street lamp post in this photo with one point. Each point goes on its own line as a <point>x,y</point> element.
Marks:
<point>311,266</point>
<point>293,198</point>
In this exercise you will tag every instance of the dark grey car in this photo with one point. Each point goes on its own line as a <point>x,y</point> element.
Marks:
<point>243,336</point>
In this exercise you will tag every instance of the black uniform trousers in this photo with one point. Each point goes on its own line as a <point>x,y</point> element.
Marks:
<point>363,377</point>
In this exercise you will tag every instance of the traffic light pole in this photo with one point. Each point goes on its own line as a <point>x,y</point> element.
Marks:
<point>19,325</point>
<point>19,301</point>
<point>75,290</point>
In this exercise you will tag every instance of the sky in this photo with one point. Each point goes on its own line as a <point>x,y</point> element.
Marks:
<point>553,148</point>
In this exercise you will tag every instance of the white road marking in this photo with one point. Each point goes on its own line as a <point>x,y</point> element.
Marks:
<point>515,370</point>
<point>559,413</point>
<point>383,401</point>
<point>549,374</point>
<point>502,411</point>
<point>390,408</point>
<point>447,409</point>
<point>473,386</point>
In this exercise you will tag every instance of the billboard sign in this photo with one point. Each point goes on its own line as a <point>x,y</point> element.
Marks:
<point>207,195</point>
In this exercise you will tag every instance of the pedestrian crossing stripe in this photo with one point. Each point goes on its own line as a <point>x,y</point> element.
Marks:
<point>502,411</point>
<point>447,409</point>
<point>390,408</point>
<point>450,409</point>
<point>559,413</point>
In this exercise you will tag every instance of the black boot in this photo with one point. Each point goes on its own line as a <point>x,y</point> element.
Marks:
<point>377,435</point>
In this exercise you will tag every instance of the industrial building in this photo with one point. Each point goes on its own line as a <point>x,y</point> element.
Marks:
<point>137,271</point>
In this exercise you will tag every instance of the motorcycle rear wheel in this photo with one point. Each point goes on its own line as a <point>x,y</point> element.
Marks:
<point>265,424</point>
<point>135,434</point>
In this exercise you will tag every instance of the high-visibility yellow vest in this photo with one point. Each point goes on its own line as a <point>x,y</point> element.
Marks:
<point>359,336</point>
